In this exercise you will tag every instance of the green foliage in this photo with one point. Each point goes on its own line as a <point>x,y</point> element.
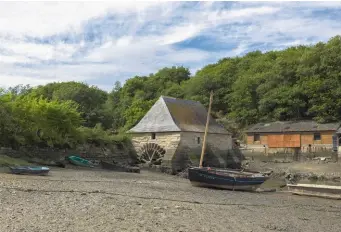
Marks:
<point>302,82</point>
<point>10,161</point>
<point>90,99</point>
<point>55,121</point>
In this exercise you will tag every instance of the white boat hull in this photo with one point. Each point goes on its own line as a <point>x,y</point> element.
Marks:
<point>324,191</point>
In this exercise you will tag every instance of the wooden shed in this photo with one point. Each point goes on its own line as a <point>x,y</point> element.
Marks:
<point>303,136</point>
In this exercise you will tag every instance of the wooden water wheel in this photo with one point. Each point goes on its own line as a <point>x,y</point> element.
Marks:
<point>151,154</point>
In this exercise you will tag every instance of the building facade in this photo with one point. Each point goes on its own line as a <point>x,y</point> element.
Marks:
<point>288,137</point>
<point>172,134</point>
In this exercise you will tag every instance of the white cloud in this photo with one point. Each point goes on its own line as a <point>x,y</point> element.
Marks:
<point>59,51</point>
<point>13,59</point>
<point>137,38</point>
<point>49,18</point>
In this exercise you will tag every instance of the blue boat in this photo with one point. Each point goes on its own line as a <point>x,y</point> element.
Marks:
<point>230,179</point>
<point>33,170</point>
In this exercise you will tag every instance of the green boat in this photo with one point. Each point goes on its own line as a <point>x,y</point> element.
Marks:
<point>78,161</point>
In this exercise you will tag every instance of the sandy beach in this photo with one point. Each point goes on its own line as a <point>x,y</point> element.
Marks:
<point>96,200</point>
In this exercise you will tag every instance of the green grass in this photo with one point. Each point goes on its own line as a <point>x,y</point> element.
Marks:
<point>9,161</point>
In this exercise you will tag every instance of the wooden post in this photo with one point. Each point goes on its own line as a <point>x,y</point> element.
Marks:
<point>206,129</point>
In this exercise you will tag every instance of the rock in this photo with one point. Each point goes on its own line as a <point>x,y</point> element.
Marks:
<point>83,194</point>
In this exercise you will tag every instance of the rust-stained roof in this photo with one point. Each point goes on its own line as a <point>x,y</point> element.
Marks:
<point>292,126</point>
<point>172,114</point>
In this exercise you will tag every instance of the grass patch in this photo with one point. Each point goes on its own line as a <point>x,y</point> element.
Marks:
<point>9,161</point>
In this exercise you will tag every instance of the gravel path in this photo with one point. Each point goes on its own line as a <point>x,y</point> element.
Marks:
<point>87,201</point>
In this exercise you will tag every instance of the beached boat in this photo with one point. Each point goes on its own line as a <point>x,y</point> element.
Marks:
<point>226,178</point>
<point>324,191</point>
<point>231,179</point>
<point>38,170</point>
<point>119,168</point>
<point>78,161</point>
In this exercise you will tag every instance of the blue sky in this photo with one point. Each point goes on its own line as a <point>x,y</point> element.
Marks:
<point>100,43</point>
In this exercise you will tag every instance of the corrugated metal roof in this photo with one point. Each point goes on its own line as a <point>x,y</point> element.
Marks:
<point>293,126</point>
<point>172,114</point>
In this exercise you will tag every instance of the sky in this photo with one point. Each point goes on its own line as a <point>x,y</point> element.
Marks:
<point>100,43</point>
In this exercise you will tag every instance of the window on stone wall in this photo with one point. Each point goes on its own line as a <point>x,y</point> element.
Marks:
<point>153,135</point>
<point>198,140</point>
<point>317,136</point>
<point>256,137</point>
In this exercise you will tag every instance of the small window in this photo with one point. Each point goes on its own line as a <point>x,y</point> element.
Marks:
<point>153,135</point>
<point>317,136</point>
<point>198,140</point>
<point>256,137</point>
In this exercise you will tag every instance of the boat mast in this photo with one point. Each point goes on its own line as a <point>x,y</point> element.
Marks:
<point>206,129</point>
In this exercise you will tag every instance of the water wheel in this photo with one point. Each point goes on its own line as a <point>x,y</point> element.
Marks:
<point>151,154</point>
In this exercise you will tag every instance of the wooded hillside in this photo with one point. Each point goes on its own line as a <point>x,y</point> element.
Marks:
<point>302,82</point>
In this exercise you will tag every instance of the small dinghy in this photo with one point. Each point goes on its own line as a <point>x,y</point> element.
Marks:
<point>226,178</point>
<point>37,170</point>
<point>78,161</point>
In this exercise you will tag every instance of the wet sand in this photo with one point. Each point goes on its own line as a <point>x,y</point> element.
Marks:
<point>84,200</point>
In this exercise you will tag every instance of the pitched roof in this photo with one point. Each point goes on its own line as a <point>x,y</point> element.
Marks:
<point>171,114</point>
<point>292,126</point>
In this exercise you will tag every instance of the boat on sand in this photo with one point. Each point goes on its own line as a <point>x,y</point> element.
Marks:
<point>231,179</point>
<point>30,170</point>
<point>78,161</point>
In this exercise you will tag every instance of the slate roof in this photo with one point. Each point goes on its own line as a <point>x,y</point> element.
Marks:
<point>171,114</point>
<point>292,126</point>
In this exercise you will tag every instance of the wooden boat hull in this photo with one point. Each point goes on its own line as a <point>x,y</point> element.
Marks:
<point>30,170</point>
<point>324,191</point>
<point>225,179</point>
<point>119,168</point>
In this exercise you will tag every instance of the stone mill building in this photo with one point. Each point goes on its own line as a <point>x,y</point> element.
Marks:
<point>171,134</point>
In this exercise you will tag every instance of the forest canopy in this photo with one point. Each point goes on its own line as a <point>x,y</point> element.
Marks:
<point>301,82</point>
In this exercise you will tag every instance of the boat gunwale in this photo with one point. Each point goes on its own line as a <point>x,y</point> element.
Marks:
<point>239,174</point>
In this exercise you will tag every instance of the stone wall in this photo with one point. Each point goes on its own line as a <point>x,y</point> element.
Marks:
<point>184,148</point>
<point>219,149</point>
<point>91,152</point>
<point>168,141</point>
<point>193,142</point>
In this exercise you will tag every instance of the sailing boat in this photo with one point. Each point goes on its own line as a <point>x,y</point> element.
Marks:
<point>231,179</point>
